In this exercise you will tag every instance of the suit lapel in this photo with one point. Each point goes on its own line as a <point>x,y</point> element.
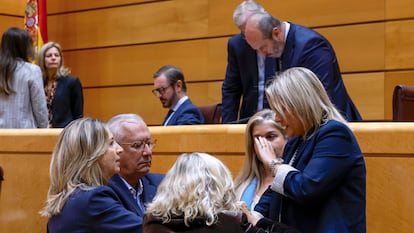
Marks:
<point>289,50</point>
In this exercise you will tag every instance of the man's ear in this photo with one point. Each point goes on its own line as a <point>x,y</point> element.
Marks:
<point>179,85</point>
<point>276,32</point>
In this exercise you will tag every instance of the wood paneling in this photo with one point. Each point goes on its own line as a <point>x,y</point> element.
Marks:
<point>12,7</point>
<point>57,7</point>
<point>200,60</point>
<point>10,21</point>
<point>399,44</point>
<point>326,12</point>
<point>394,202</point>
<point>367,92</point>
<point>103,103</point>
<point>399,9</point>
<point>358,47</point>
<point>160,21</point>
<point>206,59</point>
<point>24,190</point>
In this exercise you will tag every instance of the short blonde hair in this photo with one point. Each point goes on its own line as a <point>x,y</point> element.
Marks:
<point>298,91</point>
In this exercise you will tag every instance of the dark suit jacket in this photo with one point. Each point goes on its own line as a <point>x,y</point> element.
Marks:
<point>98,210</point>
<point>186,114</point>
<point>328,192</point>
<point>150,182</point>
<point>306,48</point>
<point>241,80</point>
<point>67,104</point>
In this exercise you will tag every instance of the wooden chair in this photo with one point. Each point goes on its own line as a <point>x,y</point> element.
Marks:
<point>211,113</point>
<point>403,103</point>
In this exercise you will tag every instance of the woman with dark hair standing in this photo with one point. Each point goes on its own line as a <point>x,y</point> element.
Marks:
<point>63,92</point>
<point>22,101</point>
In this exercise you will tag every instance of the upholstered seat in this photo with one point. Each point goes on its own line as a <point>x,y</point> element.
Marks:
<point>211,113</point>
<point>403,103</point>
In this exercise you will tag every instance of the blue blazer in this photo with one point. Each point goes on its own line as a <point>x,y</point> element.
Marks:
<point>328,192</point>
<point>306,48</point>
<point>98,210</point>
<point>241,80</point>
<point>186,114</point>
<point>67,104</point>
<point>150,182</point>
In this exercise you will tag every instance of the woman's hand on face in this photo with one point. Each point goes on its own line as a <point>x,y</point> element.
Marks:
<point>264,149</point>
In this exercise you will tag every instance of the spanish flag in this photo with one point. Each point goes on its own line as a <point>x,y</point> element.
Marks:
<point>36,23</point>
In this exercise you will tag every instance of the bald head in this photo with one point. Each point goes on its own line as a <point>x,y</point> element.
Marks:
<point>265,34</point>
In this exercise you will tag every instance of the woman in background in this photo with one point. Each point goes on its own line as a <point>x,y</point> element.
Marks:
<point>63,92</point>
<point>83,160</point>
<point>22,101</point>
<point>255,176</point>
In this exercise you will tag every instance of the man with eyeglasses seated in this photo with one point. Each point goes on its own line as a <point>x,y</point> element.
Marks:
<point>171,89</point>
<point>134,185</point>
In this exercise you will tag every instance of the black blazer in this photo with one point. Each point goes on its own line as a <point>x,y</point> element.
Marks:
<point>241,80</point>
<point>67,104</point>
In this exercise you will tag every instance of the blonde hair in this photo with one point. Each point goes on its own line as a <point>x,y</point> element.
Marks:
<point>197,185</point>
<point>252,166</point>
<point>61,71</point>
<point>299,92</point>
<point>74,162</point>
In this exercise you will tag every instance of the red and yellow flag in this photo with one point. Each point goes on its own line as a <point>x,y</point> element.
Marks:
<point>36,23</point>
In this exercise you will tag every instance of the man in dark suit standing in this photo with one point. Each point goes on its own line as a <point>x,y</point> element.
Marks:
<point>134,185</point>
<point>245,73</point>
<point>171,89</point>
<point>292,45</point>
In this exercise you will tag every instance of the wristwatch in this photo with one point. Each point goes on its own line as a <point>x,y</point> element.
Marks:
<point>273,163</point>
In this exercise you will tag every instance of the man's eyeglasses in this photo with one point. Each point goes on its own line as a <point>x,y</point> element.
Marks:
<point>160,91</point>
<point>140,145</point>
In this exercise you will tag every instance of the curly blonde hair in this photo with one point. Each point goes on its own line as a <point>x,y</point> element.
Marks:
<point>198,185</point>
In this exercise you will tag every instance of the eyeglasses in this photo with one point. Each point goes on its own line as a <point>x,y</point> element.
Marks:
<point>160,91</point>
<point>140,145</point>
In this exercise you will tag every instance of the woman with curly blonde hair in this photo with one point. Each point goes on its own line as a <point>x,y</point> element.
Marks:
<point>196,195</point>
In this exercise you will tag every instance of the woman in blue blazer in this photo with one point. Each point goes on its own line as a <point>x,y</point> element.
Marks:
<point>64,93</point>
<point>321,185</point>
<point>84,159</point>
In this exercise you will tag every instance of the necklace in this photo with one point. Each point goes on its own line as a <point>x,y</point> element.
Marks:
<point>292,160</point>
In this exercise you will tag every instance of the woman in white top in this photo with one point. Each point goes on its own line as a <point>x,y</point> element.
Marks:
<point>22,99</point>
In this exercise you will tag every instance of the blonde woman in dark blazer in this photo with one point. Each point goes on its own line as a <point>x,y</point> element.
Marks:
<point>22,100</point>
<point>64,93</point>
